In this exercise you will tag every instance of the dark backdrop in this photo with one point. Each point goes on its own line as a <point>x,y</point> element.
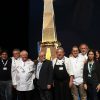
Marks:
<point>76,21</point>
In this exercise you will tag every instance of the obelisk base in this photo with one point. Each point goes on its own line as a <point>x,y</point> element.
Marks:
<point>50,49</point>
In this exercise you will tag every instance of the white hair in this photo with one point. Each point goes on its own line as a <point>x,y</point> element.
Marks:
<point>24,52</point>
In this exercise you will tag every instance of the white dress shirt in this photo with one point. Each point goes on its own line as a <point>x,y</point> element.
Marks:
<point>66,61</point>
<point>25,75</point>
<point>39,65</point>
<point>78,64</point>
<point>15,63</point>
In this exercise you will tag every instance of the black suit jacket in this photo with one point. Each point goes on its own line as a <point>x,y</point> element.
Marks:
<point>45,75</point>
<point>94,77</point>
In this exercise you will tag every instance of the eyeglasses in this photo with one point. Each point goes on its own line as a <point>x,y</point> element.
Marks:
<point>75,50</point>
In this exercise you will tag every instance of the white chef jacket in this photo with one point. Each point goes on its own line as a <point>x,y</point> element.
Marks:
<point>15,63</point>
<point>78,65</point>
<point>85,56</point>
<point>66,61</point>
<point>25,75</point>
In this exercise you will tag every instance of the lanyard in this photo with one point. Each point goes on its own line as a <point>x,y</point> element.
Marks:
<point>90,67</point>
<point>4,64</point>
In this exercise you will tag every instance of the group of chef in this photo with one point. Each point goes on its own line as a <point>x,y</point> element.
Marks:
<point>64,78</point>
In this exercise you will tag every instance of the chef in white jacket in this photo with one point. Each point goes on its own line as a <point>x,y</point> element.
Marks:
<point>77,63</point>
<point>15,62</point>
<point>24,77</point>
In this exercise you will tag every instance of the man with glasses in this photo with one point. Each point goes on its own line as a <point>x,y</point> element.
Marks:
<point>44,77</point>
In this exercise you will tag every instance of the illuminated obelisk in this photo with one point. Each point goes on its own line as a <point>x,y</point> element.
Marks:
<point>49,38</point>
<point>48,33</point>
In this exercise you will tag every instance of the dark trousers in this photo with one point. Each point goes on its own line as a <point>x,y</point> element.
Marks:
<point>25,95</point>
<point>92,93</point>
<point>62,90</point>
<point>99,95</point>
<point>14,93</point>
<point>45,94</point>
<point>5,90</point>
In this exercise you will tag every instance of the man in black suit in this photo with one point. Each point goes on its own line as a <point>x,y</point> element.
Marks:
<point>44,77</point>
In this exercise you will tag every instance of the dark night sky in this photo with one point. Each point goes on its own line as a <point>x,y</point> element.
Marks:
<point>76,21</point>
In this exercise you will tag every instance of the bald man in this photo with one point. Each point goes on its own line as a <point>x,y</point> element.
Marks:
<point>44,73</point>
<point>24,77</point>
